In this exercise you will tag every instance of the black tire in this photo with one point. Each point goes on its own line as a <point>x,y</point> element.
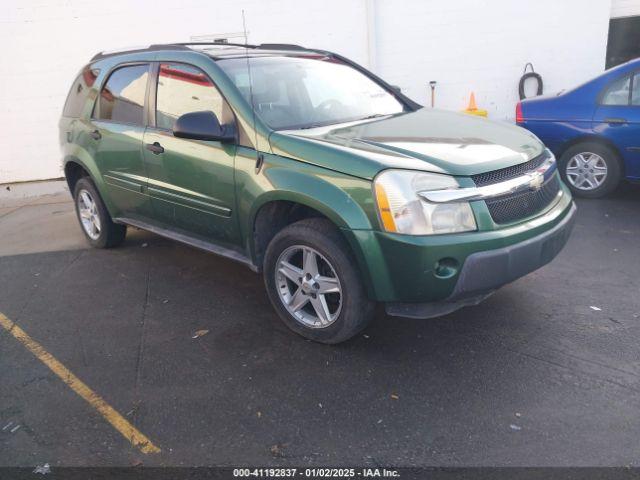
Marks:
<point>321,235</point>
<point>111,234</point>
<point>611,159</point>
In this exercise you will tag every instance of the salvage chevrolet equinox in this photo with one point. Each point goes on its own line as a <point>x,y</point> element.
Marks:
<point>310,169</point>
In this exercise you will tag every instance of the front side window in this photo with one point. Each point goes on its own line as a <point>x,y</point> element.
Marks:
<point>185,89</point>
<point>78,94</point>
<point>122,98</point>
<point>307,91</point>
<point>617,93</point>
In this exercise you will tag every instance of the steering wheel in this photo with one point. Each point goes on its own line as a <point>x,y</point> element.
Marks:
<point>329,104</point>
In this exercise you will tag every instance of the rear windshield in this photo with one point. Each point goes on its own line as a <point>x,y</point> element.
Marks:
<point>78,94</point>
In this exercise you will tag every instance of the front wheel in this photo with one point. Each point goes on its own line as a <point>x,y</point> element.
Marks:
<point>590,169</point>
<point>313,282</point>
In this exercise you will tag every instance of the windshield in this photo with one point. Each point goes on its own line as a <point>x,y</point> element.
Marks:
<point>306,92</point>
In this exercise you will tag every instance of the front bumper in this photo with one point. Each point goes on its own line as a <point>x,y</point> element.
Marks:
<point>484,272</point>
<point>411,269</point>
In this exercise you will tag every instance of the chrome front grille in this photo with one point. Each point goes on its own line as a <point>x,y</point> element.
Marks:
<point>512,193</point>
<point>511,208</point>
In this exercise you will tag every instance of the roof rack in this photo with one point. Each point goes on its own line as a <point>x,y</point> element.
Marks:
<point>281,46</point>
<point>150,48</point>
<point>265,46</point>
<point>186,45</point>
<point>217,44</point>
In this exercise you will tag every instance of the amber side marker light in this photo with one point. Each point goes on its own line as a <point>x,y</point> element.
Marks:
<point>385,211</point>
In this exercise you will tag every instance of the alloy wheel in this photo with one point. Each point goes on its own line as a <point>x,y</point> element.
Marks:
<point>308,286</point>
<point>89,216</point>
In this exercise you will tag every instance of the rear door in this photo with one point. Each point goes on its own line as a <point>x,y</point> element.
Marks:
<point>191,182</point>
<point>617,118</point>
<point>115,138</point>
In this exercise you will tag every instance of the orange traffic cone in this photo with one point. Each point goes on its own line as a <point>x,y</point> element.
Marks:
<point>473,109</point>
<point>472,102</point>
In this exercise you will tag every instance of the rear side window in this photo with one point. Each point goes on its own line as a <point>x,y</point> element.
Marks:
<point>122,97</point>
<point>78,94</point>
<point>185,89</point>
<point>635,93</point>
<point>617,93</point>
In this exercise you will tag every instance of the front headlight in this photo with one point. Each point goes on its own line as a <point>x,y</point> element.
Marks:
<point>401,210</point>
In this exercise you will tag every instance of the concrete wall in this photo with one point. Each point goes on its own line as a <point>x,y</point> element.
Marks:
<point>466,45</point>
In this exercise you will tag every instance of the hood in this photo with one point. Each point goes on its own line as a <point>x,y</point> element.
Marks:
<point>427,139</point>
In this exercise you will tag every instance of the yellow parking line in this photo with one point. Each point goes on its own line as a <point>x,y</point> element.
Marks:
<point>131,433</point>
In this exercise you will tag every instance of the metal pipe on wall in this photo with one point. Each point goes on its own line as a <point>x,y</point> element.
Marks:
<point>370,8</point>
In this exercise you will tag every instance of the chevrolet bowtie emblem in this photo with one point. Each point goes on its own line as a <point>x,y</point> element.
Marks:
<point>537,179</point>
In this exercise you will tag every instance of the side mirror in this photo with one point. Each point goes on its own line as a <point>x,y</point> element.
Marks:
<point>203,126</point>
<point>396,88</point>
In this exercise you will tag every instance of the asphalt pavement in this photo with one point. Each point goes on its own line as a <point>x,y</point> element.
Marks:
<point>546,372</point>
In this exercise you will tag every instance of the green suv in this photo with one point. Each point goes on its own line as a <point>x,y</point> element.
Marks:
<point>310,169</point>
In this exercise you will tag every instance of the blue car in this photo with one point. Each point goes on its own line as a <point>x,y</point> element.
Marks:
<point>593,130</point>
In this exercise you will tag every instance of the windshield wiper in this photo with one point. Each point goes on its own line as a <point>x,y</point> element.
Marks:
<point>376,115</point>
<point>312,125</point>
<point>324,124</point>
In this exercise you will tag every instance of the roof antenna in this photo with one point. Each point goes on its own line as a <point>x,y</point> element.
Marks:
<point>259,156</point>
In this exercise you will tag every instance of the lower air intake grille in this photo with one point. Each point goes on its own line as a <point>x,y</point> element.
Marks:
<point>521,205</point>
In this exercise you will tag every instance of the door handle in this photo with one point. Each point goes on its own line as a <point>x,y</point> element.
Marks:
<point>96,135</point>
<point>259,163</point>
<point>155,148</point>
<point>615,121</point>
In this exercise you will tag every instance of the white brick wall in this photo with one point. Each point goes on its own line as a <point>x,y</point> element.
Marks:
<point>483,46</point>
<point>624,8</point>
<point>465,45</point>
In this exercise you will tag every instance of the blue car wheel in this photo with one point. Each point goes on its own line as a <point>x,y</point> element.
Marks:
<point>590,169</point>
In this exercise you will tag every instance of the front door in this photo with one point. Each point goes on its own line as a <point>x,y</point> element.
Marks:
<point>617,118</point>
<point>191,182</point>
<point>115,135</point>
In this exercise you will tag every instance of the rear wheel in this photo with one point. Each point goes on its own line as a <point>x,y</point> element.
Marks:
<point>95,221</point>
<point>313,282</point>
<point>590,169</point>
